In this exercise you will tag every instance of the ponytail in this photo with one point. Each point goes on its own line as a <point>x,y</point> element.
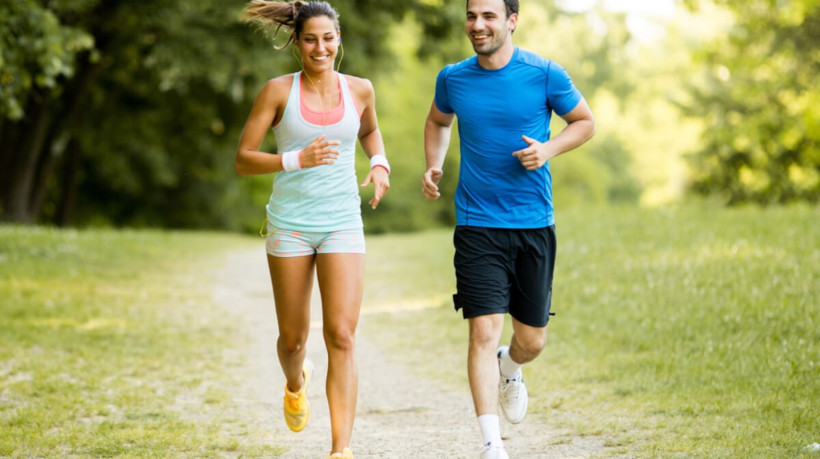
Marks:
<point>290,15</point>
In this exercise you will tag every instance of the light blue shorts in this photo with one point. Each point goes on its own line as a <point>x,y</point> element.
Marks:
<point>287,243</point>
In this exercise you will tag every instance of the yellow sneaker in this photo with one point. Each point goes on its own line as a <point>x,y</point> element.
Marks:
<point>345,454</point>
<point>296,406</point>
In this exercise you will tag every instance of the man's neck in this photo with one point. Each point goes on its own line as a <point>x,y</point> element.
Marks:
<point>498,59</point>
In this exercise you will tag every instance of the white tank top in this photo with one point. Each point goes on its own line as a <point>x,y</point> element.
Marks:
<point>323,198</point>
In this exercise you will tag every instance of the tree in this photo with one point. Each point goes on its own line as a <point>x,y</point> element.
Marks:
<point>762,105</point>
<point>37,53</point>
<point>123,112</point>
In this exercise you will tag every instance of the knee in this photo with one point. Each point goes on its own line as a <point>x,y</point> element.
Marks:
<point>340,338</point>
<point>292,344</point>
<point>530,346</point>
<point>484,333</point>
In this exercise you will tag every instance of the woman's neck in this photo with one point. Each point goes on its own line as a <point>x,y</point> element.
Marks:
<point>323,83</point>
<point>325,86</point>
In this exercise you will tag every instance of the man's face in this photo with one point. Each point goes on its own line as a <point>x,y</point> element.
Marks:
<point>488,26</point>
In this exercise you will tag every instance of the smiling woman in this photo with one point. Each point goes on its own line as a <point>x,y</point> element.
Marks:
<point>314,218</point>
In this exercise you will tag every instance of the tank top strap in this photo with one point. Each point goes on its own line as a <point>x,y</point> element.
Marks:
<point>347,96</point>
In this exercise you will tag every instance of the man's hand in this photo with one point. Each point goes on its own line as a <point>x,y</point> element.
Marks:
<point>535,155</point>
<point>429,183</point>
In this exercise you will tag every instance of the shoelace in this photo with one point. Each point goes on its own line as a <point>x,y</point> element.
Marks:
<point>294,403</point>
<point>511,391</point>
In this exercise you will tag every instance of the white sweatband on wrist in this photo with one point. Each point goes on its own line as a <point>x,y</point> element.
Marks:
<point>290,161</point>
<point>380,161</point>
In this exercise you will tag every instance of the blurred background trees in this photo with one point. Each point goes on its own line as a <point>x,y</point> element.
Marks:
<point>128,113</point>
<point>760,100</point>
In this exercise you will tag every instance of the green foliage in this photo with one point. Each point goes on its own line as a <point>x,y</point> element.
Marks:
<point>144,130</point>
<point>144,126</point>
<point>36,51</point>
<point>683,332</point>
<point>762,106</point>
<point>128,113</point>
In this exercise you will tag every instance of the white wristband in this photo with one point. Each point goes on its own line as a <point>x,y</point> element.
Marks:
<point>290,160</point>
<point>380,160</point>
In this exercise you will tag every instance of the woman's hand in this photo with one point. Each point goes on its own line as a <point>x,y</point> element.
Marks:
<point>381,181</point>
<point>319,153</point>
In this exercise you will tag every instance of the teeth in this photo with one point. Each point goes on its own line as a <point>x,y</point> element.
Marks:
<point>320,58</point>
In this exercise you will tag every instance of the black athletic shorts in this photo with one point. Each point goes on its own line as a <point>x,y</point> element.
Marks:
<point>505,271</point>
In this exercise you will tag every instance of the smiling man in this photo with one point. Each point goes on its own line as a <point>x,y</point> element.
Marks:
<point>503,98</point>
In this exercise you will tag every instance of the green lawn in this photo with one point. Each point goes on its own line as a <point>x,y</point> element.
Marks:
<point>692,332</point>
<point>680,333</point>
<point>112,346</point>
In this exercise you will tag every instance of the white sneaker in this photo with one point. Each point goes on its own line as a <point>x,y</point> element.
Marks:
<point>512,395</point>
<point>494,452</point>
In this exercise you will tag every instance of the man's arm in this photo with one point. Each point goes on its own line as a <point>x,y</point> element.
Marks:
<point>437,130</point>
<point>580,128</point>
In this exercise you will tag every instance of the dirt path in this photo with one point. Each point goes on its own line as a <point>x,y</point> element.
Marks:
<point>399,414</point>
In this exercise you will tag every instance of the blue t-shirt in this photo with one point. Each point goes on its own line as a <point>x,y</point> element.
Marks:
<point>494,109</point>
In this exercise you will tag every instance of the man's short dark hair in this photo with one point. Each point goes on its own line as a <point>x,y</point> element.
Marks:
<point>510,5</point>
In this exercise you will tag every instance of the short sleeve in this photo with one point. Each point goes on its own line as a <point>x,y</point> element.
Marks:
<point>562,95</point>
<point>441,98</point>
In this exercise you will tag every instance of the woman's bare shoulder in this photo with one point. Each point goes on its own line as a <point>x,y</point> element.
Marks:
<point>361,87</point>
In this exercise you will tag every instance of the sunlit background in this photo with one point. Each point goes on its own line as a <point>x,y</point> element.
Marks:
<point>128,114</point>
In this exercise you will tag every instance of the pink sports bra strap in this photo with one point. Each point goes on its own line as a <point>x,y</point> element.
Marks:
<point>323,118</point>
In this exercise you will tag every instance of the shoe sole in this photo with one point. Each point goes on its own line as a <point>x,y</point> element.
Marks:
<point>515,421</point>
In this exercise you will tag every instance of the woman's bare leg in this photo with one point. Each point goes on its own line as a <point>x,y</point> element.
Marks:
<point>292,280</point>
<point>341,279</point>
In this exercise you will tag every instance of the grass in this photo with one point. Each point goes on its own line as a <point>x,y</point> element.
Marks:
<point>112,346</point>
<point>689,332</point>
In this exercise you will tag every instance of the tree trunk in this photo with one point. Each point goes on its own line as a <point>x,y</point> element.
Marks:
<point>26,158</point>
<point>52,149</point>
<point>68,184</point>
<point>7,140</point>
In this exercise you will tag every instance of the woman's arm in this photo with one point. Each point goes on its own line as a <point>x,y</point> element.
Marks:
<point>249,160</point>
<point>370,138</point>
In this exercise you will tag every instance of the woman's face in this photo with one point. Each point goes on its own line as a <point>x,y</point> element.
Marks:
<point>318,43</point>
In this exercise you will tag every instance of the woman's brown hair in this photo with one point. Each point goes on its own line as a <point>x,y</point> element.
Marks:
<point>290,15</point>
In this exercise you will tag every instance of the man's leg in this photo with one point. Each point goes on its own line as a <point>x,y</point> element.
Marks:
<point>525,345</point>
<point>530,304</point>
<point>482,369</point>
<point>482,363</point>
<point>527,342</point>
